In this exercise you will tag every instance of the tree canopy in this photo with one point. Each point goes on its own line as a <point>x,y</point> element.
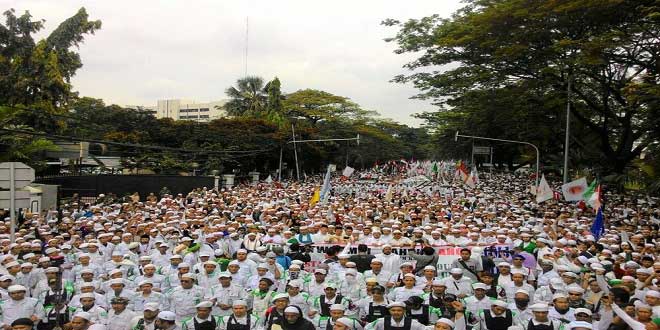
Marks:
<point>474,64</point>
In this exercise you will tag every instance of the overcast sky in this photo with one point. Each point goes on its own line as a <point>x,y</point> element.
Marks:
<point>194,49</point>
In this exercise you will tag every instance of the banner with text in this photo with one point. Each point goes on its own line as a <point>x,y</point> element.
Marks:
<point>446,254</point>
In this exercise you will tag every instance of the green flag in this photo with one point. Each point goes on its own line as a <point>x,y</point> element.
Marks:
<point>590,191</point>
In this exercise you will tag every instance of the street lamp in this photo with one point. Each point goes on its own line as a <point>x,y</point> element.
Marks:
<point>509,141</point>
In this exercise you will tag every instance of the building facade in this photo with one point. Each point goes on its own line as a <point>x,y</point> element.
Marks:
<point>179,109</point>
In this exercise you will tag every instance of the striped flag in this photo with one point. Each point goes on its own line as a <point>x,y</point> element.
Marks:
<point>592,195</point>
<point>325,190</point>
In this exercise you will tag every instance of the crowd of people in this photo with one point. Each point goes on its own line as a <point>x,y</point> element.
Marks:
<point>246,258</point>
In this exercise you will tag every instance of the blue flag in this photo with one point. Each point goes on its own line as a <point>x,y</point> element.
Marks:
<point>598,227</point>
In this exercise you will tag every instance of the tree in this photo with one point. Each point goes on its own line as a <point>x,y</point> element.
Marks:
<point>315,105</point>
<point>38,74</point>
<point>607,49</point>
<point>248,98</point>
<point>19,147</point>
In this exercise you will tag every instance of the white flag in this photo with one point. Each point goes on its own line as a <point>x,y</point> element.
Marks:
<point>388,194</point>
<point>574,190</point>
<point>269,179</point>
<point>543,191</point>
<point>348,171</point>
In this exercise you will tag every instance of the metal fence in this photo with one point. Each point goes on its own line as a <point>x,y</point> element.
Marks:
<point>89,186</point>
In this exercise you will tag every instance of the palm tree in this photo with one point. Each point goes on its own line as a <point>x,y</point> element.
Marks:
<point>248,98</point>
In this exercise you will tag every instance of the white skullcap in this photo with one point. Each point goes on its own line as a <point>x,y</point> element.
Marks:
<point>446,321</point>
<point>167,316</point>
<point>499,303</point>
<point>292,309</point>
<point>83,315</point>
<point>349,323</point>
<point>16,288</point>
<point>152,306</point>
<point>337,307</point>
<point>580,324</point>
<point>204,304</point>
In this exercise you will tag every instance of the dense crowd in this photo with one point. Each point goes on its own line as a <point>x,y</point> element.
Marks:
<point>247,258</point>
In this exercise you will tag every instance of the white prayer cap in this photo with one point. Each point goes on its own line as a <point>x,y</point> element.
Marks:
<point>337,307</point>
<point>16,288</point>
<point>456,271</point>
<point>349,323</point>
<point>83,315</point>
<point>188,276</point>
<point>239,302</point>
<point>152,306</point>
<point>582,310</point>
<point>652,293</point>
<point>499,303</point>
<point>396,304</point>
<point>145,282</point>
<point>580,324</point>
<point>445,321</point>
<point>480,285</point>
<point>204,304</point>
<point>167,316</point>
<point>539,307</point>
<point>280,296</point>
<point>575,288</point>
<point>292,309</point>
<point>559,295</point>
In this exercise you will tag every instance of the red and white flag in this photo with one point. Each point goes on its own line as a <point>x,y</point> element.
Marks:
<point>574,190</point>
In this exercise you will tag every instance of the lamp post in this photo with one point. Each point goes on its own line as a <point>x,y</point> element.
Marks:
<point>509,141</point>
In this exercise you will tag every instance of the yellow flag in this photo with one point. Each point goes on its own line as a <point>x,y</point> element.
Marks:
<point>316,197</point>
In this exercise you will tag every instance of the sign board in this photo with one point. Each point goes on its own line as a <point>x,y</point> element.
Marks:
<point>481,150</point>
<point>22,199</point>
<point>23,175</point>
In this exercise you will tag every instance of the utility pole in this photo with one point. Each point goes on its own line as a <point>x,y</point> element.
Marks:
<point>568,127</point>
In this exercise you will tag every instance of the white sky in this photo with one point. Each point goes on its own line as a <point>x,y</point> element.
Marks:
<point>194,49</point>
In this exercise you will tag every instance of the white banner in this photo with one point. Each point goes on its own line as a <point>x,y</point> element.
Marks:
<point>348,171</point>
<point>446,254</point>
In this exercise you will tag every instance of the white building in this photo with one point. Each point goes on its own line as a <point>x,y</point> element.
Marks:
<point>179,109</point>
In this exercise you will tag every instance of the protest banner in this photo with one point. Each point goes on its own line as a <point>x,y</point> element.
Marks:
<point>446,254</point>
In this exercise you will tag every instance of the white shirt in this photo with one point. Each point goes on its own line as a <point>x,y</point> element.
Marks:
<point>380,325</point>
<point>391,262</point>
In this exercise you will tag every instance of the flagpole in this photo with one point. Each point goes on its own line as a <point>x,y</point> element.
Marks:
<point>295,152</point>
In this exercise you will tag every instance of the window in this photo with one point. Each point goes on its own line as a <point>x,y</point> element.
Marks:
<point>203,116</point>
<point>204,110</point>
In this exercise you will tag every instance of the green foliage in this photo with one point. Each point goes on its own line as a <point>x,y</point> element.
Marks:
<point>508,63</point>
<point>36,75</point>
<point>248,98</point>
<point>21,147</point>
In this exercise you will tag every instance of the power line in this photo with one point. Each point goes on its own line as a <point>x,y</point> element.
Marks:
<point>120,144</point>
<point>131,145</point>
